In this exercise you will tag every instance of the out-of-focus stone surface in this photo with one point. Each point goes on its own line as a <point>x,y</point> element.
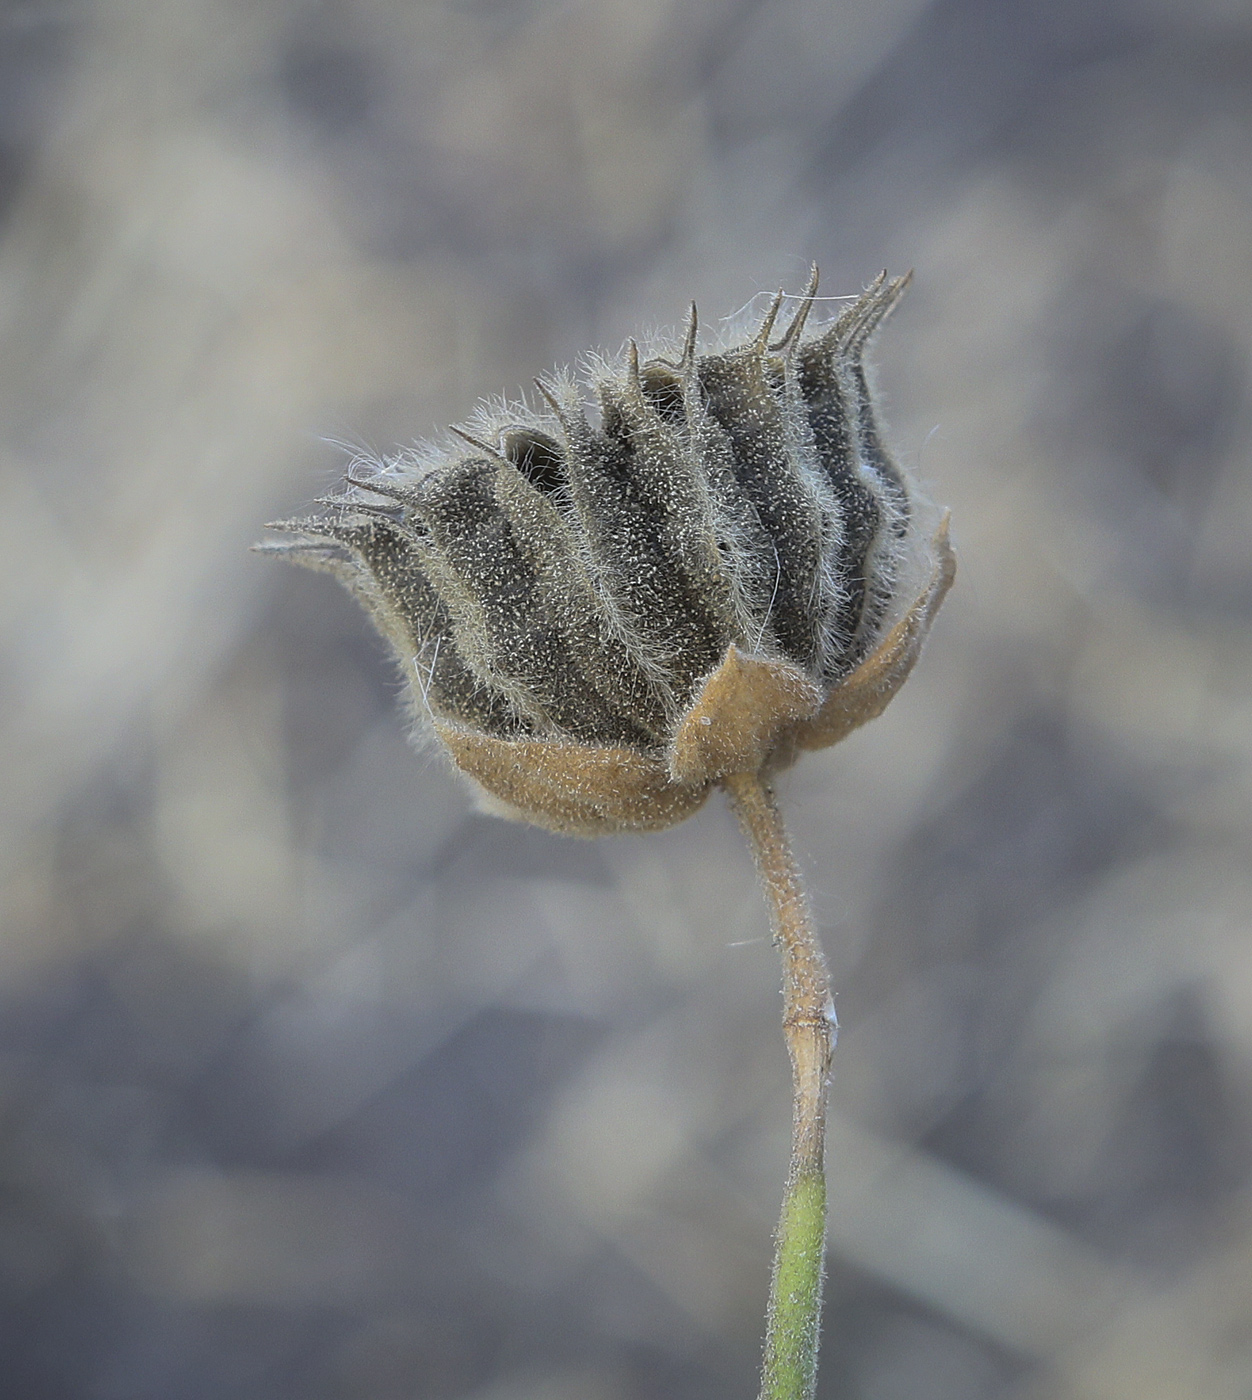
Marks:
<point>317,1084</point>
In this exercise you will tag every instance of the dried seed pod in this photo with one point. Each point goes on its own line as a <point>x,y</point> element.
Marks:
<point>601,622</point>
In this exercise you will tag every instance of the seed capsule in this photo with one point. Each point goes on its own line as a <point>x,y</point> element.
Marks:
<point>602,621</point>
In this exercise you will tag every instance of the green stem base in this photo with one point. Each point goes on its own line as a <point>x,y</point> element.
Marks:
<point>795,1298</point>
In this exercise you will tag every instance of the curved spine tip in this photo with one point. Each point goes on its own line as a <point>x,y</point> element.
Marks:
<point>761,344</point>
<point>688,357</point>
<point>873,310</point>
<point>549,397</point>
<point>570,426</point>
<point>689,341</point>
<point>477,442</point>
<point>357,507</point>
<point>807,298</point>
<point>632,367</point>
<point>374,484</point>
<point>849,331</point>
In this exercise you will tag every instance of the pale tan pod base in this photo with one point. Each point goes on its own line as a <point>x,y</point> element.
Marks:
<point>573,788</point>
<point>734,723</point>
<point>748,715</point>
<point>865,693</point>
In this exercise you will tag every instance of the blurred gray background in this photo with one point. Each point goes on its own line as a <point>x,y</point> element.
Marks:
<point>316,1084</point>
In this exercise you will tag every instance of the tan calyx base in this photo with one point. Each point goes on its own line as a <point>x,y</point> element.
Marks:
<point>749,715</point>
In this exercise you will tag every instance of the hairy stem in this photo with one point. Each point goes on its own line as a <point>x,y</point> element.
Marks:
<point>793,1321</point>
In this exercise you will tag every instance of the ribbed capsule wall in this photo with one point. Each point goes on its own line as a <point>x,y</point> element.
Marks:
<point>555,578</point>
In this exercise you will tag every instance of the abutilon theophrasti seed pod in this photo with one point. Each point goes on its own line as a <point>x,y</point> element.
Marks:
<point>602,621</point>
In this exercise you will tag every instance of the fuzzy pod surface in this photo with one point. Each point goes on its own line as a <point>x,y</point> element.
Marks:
<point>601,621</point>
